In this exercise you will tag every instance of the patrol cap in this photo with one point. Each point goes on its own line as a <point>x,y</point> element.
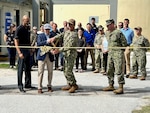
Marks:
<point>72,21</point>
<point>110,21</point>
<point>47,26</point>
<point>138,28</point>
<point>100,27</point>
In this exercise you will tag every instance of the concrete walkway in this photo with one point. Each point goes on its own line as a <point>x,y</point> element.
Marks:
<point>88,99</point>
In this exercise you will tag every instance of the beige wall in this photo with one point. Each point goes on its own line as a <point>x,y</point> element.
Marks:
<point>137,11</point>
<point>80,13</point>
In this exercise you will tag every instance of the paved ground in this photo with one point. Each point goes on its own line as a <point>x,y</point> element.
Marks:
<point>88,99</point>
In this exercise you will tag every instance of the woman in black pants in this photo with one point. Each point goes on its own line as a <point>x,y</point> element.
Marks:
<point>9,39</point>
<point>80,51</point>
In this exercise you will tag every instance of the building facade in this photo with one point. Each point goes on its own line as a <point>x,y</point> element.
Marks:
<point>43,11</point>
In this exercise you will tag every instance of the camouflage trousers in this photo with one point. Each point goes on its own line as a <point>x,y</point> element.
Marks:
<point>115,66</point>
<point>68,70</point>
<point>99,59</point>
<point>139,60</point>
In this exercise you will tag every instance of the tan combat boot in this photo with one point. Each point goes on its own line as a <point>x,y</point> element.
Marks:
<point>102,71</point>
<point>66,87</point>
<point>73,88</point>
<point>109,88</point>
<point>119,90</point>
<point>96,71</point>
<point>142,78</point>
<point>133,77</point>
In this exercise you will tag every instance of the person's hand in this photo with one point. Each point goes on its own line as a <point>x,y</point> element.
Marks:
<point>55,51</point>
<point>79,50</point>
<point>21,56</point>
<point>50,40</point>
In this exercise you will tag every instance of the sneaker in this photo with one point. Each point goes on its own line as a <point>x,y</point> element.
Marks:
<point>76,70</point>
<point>81,70</point>
<point>14,67</point>
<point>11,67</point>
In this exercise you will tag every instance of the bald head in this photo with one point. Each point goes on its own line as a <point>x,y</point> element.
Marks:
<point>25,20</point>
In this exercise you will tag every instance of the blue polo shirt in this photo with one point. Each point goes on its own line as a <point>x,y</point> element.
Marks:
<point>129,34</point>
<point>89,36</point>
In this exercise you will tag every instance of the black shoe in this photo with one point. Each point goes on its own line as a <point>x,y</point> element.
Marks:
<point>22,90</point>
<point>93,69</point>
<point>30,87</point>
<point>127,76</point>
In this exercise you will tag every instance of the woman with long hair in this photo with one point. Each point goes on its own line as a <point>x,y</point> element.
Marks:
<point>9,39</point>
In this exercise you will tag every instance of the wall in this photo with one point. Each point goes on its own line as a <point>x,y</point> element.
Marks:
<point>80,13</point>
<point>7,7</point>
<point>137,11</point>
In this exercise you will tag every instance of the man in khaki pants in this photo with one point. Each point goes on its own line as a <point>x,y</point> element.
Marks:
<point>129,34</point>
<point>43,59</point>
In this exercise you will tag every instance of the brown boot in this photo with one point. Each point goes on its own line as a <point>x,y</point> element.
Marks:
<point>133,77</point>
<point>109,88</point>
<point>119,90</point>
<point>73,88</point>
<point>102,71</point>
<point>40,91</point>
<point>142,78</point>
<point>66,88</point>
<point>96,71</point>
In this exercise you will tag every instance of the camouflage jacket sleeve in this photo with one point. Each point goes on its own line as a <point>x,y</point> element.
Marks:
<point>59,36</point>
<point>123,40</point>
<point>146,43</point>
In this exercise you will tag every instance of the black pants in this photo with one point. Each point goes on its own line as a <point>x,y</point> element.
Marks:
<point>105,57</point>
<point>56,60</point>
<point>24,64</point>
<point>81,57</point>
<point>12,56</point>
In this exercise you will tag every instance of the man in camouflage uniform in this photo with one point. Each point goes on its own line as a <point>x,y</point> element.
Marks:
<point>70,39</point>
<point>98,51</point>
<point>115,57</point>
<point>139,54</point>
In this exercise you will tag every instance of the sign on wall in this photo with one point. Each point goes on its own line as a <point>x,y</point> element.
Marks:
<point>8,21</point>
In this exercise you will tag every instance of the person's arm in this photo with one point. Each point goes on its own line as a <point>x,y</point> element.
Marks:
<point>17,48</point>
<point>40,41</point>
<point>146,43</point>
<point>5,38</point>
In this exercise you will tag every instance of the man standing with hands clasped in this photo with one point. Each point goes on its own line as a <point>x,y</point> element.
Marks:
<point>22,38</point>
<point>115,57</point>
<point>70,38</point>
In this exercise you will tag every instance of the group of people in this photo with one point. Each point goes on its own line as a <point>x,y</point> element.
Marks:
<point>109,50</point>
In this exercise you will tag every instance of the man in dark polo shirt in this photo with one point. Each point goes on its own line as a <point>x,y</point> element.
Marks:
<point>22,38</point>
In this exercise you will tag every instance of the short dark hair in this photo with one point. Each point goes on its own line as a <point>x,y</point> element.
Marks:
<point>89,24</point>
<point>93,18</point>
<point>126,19</point>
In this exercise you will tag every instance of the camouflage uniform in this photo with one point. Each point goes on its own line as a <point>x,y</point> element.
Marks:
<point>115,56</point>
<point>98,52</point>
<point>139,55</point>
<point>70,39</point>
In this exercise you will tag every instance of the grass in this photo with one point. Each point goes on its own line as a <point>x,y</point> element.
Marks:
<point>145,109</point>
<point>5,66</point>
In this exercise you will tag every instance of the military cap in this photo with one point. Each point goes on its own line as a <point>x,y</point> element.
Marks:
<point>110,21</point>
<point>100,27</point>
<point>138,28</point>
<point>72,21</point>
